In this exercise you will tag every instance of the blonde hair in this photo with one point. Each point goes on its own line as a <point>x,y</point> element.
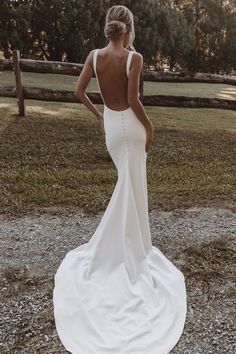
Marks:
<point>119,20</point>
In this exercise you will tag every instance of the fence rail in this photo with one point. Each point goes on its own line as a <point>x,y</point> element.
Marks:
<point>74,69</point>
<point>42,94</point>
<point>27,65</point>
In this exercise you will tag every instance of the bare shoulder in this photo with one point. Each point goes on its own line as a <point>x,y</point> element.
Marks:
<point>89,58</point>
<point>137,60</point>
<point>90,54</point>
<point>138,55</point>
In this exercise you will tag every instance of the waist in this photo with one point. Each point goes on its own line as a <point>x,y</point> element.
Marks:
<point>106,108</point>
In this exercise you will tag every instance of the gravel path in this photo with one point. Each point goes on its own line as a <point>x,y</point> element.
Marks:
<point>199,241</point>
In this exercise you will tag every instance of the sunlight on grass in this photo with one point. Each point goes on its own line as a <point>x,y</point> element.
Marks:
<point>190,89</point>
<point>4,105</point>
<point>41,109</point>
<point>228,93</point>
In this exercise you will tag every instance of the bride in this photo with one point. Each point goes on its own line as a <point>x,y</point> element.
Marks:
<point>118,293</point>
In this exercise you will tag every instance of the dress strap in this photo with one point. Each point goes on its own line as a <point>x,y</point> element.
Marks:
<point>129,61</point>
<point>95,61</point>
<point>95,69</point>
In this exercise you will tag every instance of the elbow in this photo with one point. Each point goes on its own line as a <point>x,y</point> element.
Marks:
<point>78,92</point>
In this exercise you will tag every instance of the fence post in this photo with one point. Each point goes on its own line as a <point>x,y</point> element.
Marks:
<point>18,79</point>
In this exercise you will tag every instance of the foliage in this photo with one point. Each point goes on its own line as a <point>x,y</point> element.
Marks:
<point>190,34</point>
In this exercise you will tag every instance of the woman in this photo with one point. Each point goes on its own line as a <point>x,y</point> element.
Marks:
<point>118,293</point>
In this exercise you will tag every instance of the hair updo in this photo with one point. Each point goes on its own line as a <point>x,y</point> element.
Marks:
<point>119,20</point>
<point>114,29</point>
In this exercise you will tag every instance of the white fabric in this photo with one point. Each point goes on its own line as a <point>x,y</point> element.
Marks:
<point>117,293</point>
<point>95,70</point>
<point>128,62</point>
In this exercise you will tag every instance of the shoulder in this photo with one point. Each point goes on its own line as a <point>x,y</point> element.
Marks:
<point>137,55</point>
<point>90,54</point>
<point>89,59</point>
<point>137,60</point>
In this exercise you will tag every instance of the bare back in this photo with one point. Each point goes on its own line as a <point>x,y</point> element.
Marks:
<point>111,69</point>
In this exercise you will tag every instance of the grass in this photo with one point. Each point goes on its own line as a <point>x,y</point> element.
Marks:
<point>190,89</point>
<point>66,82</point>
<point>56,157</point>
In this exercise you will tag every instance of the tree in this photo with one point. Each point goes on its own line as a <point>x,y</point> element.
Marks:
<point>195,34</point>
<point>14,22</point>
<point>213,22</point>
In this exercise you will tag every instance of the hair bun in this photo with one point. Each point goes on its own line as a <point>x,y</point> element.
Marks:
<point>114,29</point>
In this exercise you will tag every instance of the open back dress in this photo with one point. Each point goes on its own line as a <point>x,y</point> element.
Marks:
<point>117,293</point>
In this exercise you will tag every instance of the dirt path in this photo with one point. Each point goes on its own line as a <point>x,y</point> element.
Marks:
<point>199,241</point>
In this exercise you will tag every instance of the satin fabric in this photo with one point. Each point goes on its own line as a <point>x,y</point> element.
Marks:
<point>117,293</point>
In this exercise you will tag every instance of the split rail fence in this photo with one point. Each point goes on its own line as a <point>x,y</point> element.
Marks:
<point>19,65</point>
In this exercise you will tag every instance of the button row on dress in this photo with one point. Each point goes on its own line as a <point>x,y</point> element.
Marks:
<point>124,131</point>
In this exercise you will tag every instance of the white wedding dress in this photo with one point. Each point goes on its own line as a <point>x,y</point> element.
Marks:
<point>118,294</point>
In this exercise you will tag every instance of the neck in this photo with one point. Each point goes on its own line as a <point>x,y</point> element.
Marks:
<point>119,44</point>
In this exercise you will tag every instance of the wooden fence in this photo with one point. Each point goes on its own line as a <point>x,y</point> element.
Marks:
<point>51,67</point>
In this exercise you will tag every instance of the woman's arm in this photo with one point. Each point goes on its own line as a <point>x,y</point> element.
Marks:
<point>82,83</point>
<point>133,96</point>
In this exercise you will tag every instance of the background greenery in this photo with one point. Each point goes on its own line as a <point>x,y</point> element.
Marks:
<point>191,34</point>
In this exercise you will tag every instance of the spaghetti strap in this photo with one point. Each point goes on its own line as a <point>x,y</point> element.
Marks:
<point>128,62</point>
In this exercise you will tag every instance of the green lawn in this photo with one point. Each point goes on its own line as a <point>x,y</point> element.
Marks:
<point>65,82</point>
<point>56,156</point>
